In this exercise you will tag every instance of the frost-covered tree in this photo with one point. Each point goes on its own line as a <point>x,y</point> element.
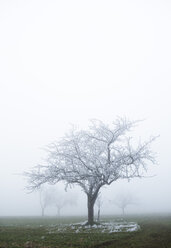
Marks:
<point>93,158</point>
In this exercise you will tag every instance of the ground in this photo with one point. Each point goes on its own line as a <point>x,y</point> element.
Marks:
<point>48,232</point>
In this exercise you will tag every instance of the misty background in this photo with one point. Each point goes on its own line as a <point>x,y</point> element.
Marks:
<point>67,62</point>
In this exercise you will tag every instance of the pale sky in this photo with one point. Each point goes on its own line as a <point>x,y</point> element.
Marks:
<point>64,62</point>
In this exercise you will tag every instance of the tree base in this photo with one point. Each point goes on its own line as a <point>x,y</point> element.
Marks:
<point>92,223</point>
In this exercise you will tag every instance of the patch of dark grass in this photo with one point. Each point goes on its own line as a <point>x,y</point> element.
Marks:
<point>32,233</point>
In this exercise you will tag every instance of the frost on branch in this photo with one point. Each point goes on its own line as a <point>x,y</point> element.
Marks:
<point>93,158</point>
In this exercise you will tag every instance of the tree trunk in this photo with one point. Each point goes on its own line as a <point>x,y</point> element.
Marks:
<point>123,211</point>
<point>43,212</point>
<point>90,205</point>
<point>98,215</point>
<point>58,212</point>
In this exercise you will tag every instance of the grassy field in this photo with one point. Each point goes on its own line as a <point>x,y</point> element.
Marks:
<point>37,232</point>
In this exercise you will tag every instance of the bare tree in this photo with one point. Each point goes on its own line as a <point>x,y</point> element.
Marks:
<point>123,201</point>
<point>93,158</point>
<point>59,204</point>
<point>45,199</point>
<point>61,198</point>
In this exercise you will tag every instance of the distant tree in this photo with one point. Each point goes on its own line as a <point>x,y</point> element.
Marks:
<point>45,199</point>
<point>122,201</point>
<point>93,158</point>
<point>59,204</point>
<point>61,198</point>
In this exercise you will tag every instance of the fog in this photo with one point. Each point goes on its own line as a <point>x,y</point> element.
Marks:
<point>67,62</point>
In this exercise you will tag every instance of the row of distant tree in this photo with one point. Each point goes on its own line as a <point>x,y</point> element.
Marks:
<point>49,196</point>
<point>52,197</point>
